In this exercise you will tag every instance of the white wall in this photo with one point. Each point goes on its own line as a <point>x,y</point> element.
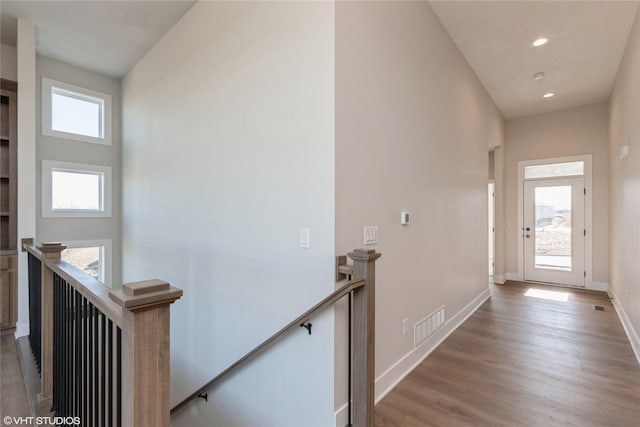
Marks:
<point>228,150</point>
<point>624,189</point>
<point>412,129</point>
<point>572,132</point>
<point>26,66</point>
<point>8,62</point>
<point>61,149</point>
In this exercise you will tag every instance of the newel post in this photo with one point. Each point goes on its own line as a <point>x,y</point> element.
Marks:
<point>50,252</point>
<point>145,351</point>
<point>362,357</point>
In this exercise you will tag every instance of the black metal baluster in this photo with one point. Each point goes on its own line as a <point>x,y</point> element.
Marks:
<point>119,376</point>
<point>110,373</point>
<point>69,317</point>
<point>65,351</point>
<point>103,372</point>
<point>96,359</point>
<point>76,351</point>
<point>83,351</point>
<point>63,347</point>
<point>34,293</point>
<point>90,395</point>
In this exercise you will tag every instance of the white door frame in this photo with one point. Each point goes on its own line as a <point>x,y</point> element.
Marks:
<point>492,226</point>
<point>588,219</point>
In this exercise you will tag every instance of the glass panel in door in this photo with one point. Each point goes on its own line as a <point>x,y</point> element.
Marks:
<point>553,227</point>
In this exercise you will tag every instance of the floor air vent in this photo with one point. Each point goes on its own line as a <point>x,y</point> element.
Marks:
<point>598,308</point>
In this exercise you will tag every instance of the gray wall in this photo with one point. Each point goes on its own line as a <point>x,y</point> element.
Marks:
<point>624,189</point>
<point>51,148</point>
<point>228,150</point>
<point>412,129</point>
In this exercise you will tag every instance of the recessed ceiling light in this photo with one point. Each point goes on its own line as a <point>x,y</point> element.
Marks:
<point>540,42</point>
<point>538,76</point>
<point>548,95</point>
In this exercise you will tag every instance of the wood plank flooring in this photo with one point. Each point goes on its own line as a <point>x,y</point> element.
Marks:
<point>13,395</point>
<point>525,361</point>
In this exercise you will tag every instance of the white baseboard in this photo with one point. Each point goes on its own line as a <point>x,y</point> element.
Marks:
<point>396,373</point>
<point>499,279</point>
<point>403,367</point>
<point>22,330</point>
<point>597,286</point>
<point>626,324</point>
<point>515,276</point>
<point>341,416</point>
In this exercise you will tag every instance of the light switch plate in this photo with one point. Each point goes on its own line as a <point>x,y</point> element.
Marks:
<point>370,235</point>
<point>304,238</point>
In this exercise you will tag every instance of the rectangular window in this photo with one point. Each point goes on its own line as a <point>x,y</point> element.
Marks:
<point>91,256</point>
<point>75,190</point>
<point>552,170</point>
<point>73,112</point>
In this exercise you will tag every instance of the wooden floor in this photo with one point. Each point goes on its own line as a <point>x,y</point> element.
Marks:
<point>525,361</point>
<point>13,395</point>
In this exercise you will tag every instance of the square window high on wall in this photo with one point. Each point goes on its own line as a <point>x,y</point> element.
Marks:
<point>74,190</point>
<point>73,112</point>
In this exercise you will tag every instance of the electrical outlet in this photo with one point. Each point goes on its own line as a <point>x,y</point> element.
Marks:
<point>405,326</point>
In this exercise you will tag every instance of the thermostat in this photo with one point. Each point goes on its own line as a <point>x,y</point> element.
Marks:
<point>404,218</point>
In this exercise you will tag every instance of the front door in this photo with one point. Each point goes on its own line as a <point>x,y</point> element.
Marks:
<point>554,231</point>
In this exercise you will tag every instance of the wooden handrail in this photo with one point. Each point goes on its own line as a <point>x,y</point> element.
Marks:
<point>294,324</point>
<point>32,249</point>
<point>94,291</point>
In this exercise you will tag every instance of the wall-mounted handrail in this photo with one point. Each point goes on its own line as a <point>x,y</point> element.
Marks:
<point>361,291</point>
<point>294,324</point>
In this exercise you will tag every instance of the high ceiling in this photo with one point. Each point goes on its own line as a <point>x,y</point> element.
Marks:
<point>580,62</point>
<point>587,41</point>
<point>104,36</point>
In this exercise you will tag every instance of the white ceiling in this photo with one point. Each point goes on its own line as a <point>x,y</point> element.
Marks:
<point>104,36</point>
<point>588,39</point>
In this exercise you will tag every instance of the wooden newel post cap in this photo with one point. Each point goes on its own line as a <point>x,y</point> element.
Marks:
<point>147,293</point>
<point>51,247</point>
<point>364,255</point>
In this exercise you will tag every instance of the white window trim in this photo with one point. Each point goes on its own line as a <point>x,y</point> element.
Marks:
<point>47,87</point>
<point>47,212</point>
<point>588,212</point>
<point>106,252</point>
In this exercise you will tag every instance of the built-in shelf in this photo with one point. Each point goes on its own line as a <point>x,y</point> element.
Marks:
<point>8,207</point>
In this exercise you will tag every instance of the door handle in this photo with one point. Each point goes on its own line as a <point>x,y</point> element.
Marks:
<point>527,236</point>
<point>528,229</point>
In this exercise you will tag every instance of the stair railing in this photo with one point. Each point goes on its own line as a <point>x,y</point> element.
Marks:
<point>103,355</point>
